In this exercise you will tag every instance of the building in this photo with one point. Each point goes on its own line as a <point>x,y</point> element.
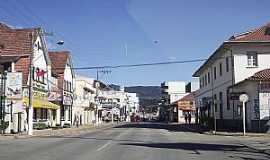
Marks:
<point>84,100</point>
<point>26,46</point>
<point>186,106</point>
<point>132,106</point>
<point>173,91</point>
<point>62,66</point>
<point>234,61</point>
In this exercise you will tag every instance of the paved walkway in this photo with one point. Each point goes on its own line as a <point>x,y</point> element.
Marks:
<point>73,131</point>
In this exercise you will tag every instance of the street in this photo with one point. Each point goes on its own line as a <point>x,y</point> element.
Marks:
<point>132,141</point>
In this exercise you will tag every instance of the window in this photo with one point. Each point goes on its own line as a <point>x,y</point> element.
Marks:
<point>239,109</point>
<point>228,100</point>
<point>62,113</point>
<point>215,99</point>
<point>220,69</point>
<point>215,72</point>
<point>202,81</point>
<point>227,64</point>
<point>221,105</point>
<point>252,59</point>
<point>208,77</point>
<point>205,79</point>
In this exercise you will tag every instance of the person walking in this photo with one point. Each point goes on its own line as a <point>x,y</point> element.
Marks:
<point>186,117</point>
<point>189,118</point>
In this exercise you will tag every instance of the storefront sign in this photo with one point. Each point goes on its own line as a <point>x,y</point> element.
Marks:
<point>54,96</point>
<point>14,85</point>
<point>235,95</point>
<point>186,105</point>
<point>67,100</point>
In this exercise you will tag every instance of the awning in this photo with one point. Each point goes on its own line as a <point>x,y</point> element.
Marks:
<point>37,103</point>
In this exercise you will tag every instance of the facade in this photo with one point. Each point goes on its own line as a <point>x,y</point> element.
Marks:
<point>186,106</point>
<point>24,44</point>
<point>234,61</point>
<point>172,92</point>
<point>62,66</point>
<point>133,106</point>
<point>84,101</point>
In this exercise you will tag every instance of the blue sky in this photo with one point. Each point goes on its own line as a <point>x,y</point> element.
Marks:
<point>98,31</point>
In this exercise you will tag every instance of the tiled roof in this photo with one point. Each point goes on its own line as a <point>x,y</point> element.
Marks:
<point>59,60</point>
<point>18,42</point>
<point>263,75</point>
<point>189,97</point>
<point>260,34</point>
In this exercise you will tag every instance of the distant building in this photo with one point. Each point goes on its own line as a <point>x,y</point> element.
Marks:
<point>172,91</point>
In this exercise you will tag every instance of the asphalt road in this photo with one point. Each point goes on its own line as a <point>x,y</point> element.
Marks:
<point>143,141</point>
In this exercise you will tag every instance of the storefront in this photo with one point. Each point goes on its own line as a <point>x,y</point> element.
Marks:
<point>43,110</point>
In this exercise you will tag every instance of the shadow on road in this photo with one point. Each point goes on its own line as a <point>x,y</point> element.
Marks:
<point>169,127</point>
<point>239,150</point>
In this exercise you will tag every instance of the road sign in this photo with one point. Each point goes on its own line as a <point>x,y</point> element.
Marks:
<point>243,98</point>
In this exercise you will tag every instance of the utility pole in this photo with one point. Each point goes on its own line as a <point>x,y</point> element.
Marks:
<point>30,88</point>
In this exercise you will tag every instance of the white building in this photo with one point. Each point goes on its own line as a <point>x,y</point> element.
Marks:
<point>84,104</point>
<point>173,90</point>
<point>62,66</point>
<point>132,105</point>
<point>220,76</point>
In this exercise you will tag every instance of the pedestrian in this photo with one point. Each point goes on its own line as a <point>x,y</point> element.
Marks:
<point>189,118</point>
<point>77,121</point>
<point>186,117</point>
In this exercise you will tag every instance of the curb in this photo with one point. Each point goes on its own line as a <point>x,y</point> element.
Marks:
<point>76,132</point>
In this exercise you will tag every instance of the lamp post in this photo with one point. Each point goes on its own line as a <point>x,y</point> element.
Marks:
<point>97,101</point>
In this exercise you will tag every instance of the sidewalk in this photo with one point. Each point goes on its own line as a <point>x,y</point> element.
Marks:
<point>257,141</point>
<point>73,131</point>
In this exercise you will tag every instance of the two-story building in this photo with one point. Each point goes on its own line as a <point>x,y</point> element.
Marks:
<point>28,46</point>
<point>234,61</point>
<point>62,65</point>
<point>84,100</point>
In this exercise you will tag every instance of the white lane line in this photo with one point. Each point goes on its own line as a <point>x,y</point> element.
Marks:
<point>104,146</point>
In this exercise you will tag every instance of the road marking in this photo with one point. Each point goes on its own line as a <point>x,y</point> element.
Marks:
<point>104,146</point>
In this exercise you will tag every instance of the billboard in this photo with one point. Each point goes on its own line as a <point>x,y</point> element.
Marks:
<point>14,85</point>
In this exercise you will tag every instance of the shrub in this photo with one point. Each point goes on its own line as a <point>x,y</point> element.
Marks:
<point>39,126</point>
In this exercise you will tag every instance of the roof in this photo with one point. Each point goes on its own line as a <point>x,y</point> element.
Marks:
<point>18,42</point>
<point>263,75</point>
<point>59,60</point>
<point>259,35</point>
<point>189,97</point>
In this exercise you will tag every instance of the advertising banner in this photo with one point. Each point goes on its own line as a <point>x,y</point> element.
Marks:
<point>14,85</point>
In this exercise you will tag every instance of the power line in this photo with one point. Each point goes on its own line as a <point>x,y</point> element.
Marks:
<point>137,65</point>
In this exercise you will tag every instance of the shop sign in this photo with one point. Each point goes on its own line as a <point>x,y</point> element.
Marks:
<point>14,85</point>
<point>186,105</point>
<point>54,96</point>
<point>235,95</point>
<point>67,100</point>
